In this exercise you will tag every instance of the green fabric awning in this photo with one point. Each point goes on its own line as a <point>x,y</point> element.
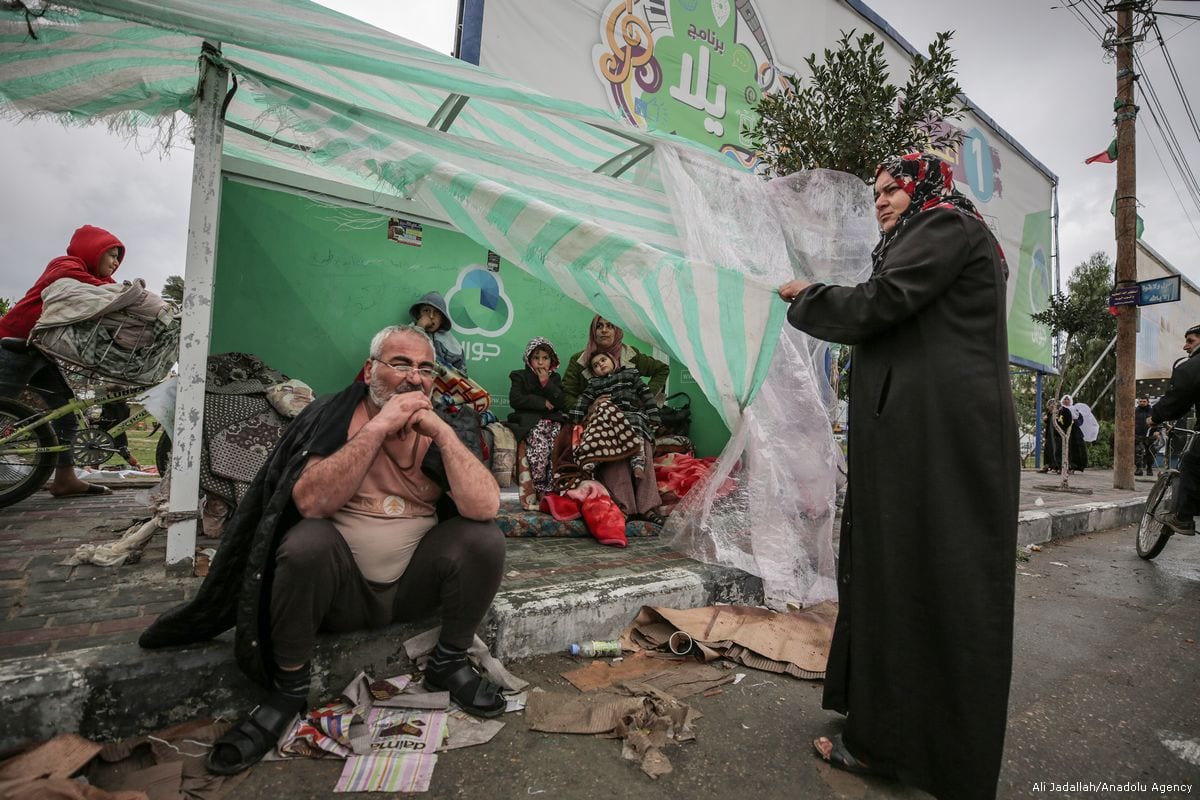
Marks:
<point>324,95</point>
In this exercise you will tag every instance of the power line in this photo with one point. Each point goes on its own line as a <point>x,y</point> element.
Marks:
<point>1174,188</point>
<point>1082,19</point>
<point>1187,105</point>
<point>1174,150</point>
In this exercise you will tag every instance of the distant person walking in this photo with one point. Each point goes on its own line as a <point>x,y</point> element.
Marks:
<point>1143,461</point>
<point>1077,420</point>
<point>922,651</point>
<point>1051,446</point>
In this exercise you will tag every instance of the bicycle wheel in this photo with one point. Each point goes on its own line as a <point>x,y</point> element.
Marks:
<point>23,472</point>
<point>1152,535</point>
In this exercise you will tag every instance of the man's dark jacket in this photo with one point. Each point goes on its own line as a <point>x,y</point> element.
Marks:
<point>237,590</point>
<point>1183,392</point>
<point>1141,424</point>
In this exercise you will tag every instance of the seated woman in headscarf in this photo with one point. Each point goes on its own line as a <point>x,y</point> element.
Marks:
<point>605,336</point>
<point>634,491</point>
<point>1072,417</point>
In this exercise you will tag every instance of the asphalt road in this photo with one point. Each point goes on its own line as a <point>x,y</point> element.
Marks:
<point>1106,690</point>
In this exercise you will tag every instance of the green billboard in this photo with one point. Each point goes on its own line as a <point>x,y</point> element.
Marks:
<point>304,285</point>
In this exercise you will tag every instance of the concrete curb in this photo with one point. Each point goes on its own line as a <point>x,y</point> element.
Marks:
<point>1037,527</point>
<point>544,621</point>
<point>115,691</point>
<point>120,690</point>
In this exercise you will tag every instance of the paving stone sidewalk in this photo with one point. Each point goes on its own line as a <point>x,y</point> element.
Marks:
<point>49,609</point>
<point>69,659</point>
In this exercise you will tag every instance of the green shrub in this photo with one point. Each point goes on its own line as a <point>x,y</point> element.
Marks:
<point>1100,452</point>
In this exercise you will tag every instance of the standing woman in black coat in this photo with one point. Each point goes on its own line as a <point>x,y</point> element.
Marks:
<point>536,397</point>
<point>922,650</point>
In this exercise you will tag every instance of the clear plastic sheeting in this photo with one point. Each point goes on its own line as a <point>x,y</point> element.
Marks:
<point>768,505</point>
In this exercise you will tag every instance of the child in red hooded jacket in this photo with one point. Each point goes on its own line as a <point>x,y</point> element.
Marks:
<point>92,257</point>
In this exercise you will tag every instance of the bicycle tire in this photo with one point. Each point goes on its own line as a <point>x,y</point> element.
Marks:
<point>21,475</point>
<point>162,454</point>
<point>1152,535</point>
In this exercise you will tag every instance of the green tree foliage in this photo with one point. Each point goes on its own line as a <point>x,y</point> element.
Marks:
<point>1093,280</point>
<point>1081,318</point>
<point>5,306</point>
<point>172,290</point>
<point>1024,389</point>
<point>1082,321</point>
<point>849,117</point>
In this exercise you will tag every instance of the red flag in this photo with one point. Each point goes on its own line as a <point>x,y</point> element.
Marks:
<point>1107,157</point>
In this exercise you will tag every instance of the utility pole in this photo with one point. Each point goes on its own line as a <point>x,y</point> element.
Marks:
<point>1126,232</point>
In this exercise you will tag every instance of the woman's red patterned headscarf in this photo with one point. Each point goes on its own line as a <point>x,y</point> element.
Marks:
<point>929,183</point>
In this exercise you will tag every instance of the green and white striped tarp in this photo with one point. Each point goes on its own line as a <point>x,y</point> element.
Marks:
<point>528,175</point>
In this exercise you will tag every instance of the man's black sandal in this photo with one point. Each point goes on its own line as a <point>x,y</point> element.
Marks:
<point>246,743</point>
<point>473,693</point>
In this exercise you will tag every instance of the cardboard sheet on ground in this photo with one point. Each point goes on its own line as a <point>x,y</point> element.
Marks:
<point>61,789</point>
<point>166,763</point>
<point>44,772</point>
<point>796,643</point>
<point>679,677</point>
<point>463,730</point>
<point>645,719</point>
<point>61,757</point>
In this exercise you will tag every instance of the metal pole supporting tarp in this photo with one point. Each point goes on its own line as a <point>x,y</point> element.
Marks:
<point>197,315</point>
<point>1037,427</point>
<point>1107,350</point>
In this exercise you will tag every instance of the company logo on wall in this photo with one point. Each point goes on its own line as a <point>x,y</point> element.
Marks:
<point>695,68</point>
<point>478,303</point>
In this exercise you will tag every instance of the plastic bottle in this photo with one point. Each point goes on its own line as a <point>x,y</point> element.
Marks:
<point>596,649</point>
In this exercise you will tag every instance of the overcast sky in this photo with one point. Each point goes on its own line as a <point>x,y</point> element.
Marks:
<point>1035,69</point>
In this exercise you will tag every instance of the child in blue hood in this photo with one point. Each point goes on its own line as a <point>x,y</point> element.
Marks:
<point>430,313</point>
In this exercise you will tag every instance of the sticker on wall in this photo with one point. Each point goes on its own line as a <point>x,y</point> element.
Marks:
<point>404,231</point>
<point>493,262</point>
<point>478,303</point>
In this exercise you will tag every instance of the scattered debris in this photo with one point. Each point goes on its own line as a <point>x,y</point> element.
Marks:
<point>677,677</point>
<point>647,720</point>
<point>795,642</point>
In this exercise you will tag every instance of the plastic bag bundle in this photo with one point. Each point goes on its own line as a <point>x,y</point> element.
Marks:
<point>768,505</point>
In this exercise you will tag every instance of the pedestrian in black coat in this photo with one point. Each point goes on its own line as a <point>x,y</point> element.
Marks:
<point>1143,448</point>
<point>1183,394</point>
<point>922,651</point>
